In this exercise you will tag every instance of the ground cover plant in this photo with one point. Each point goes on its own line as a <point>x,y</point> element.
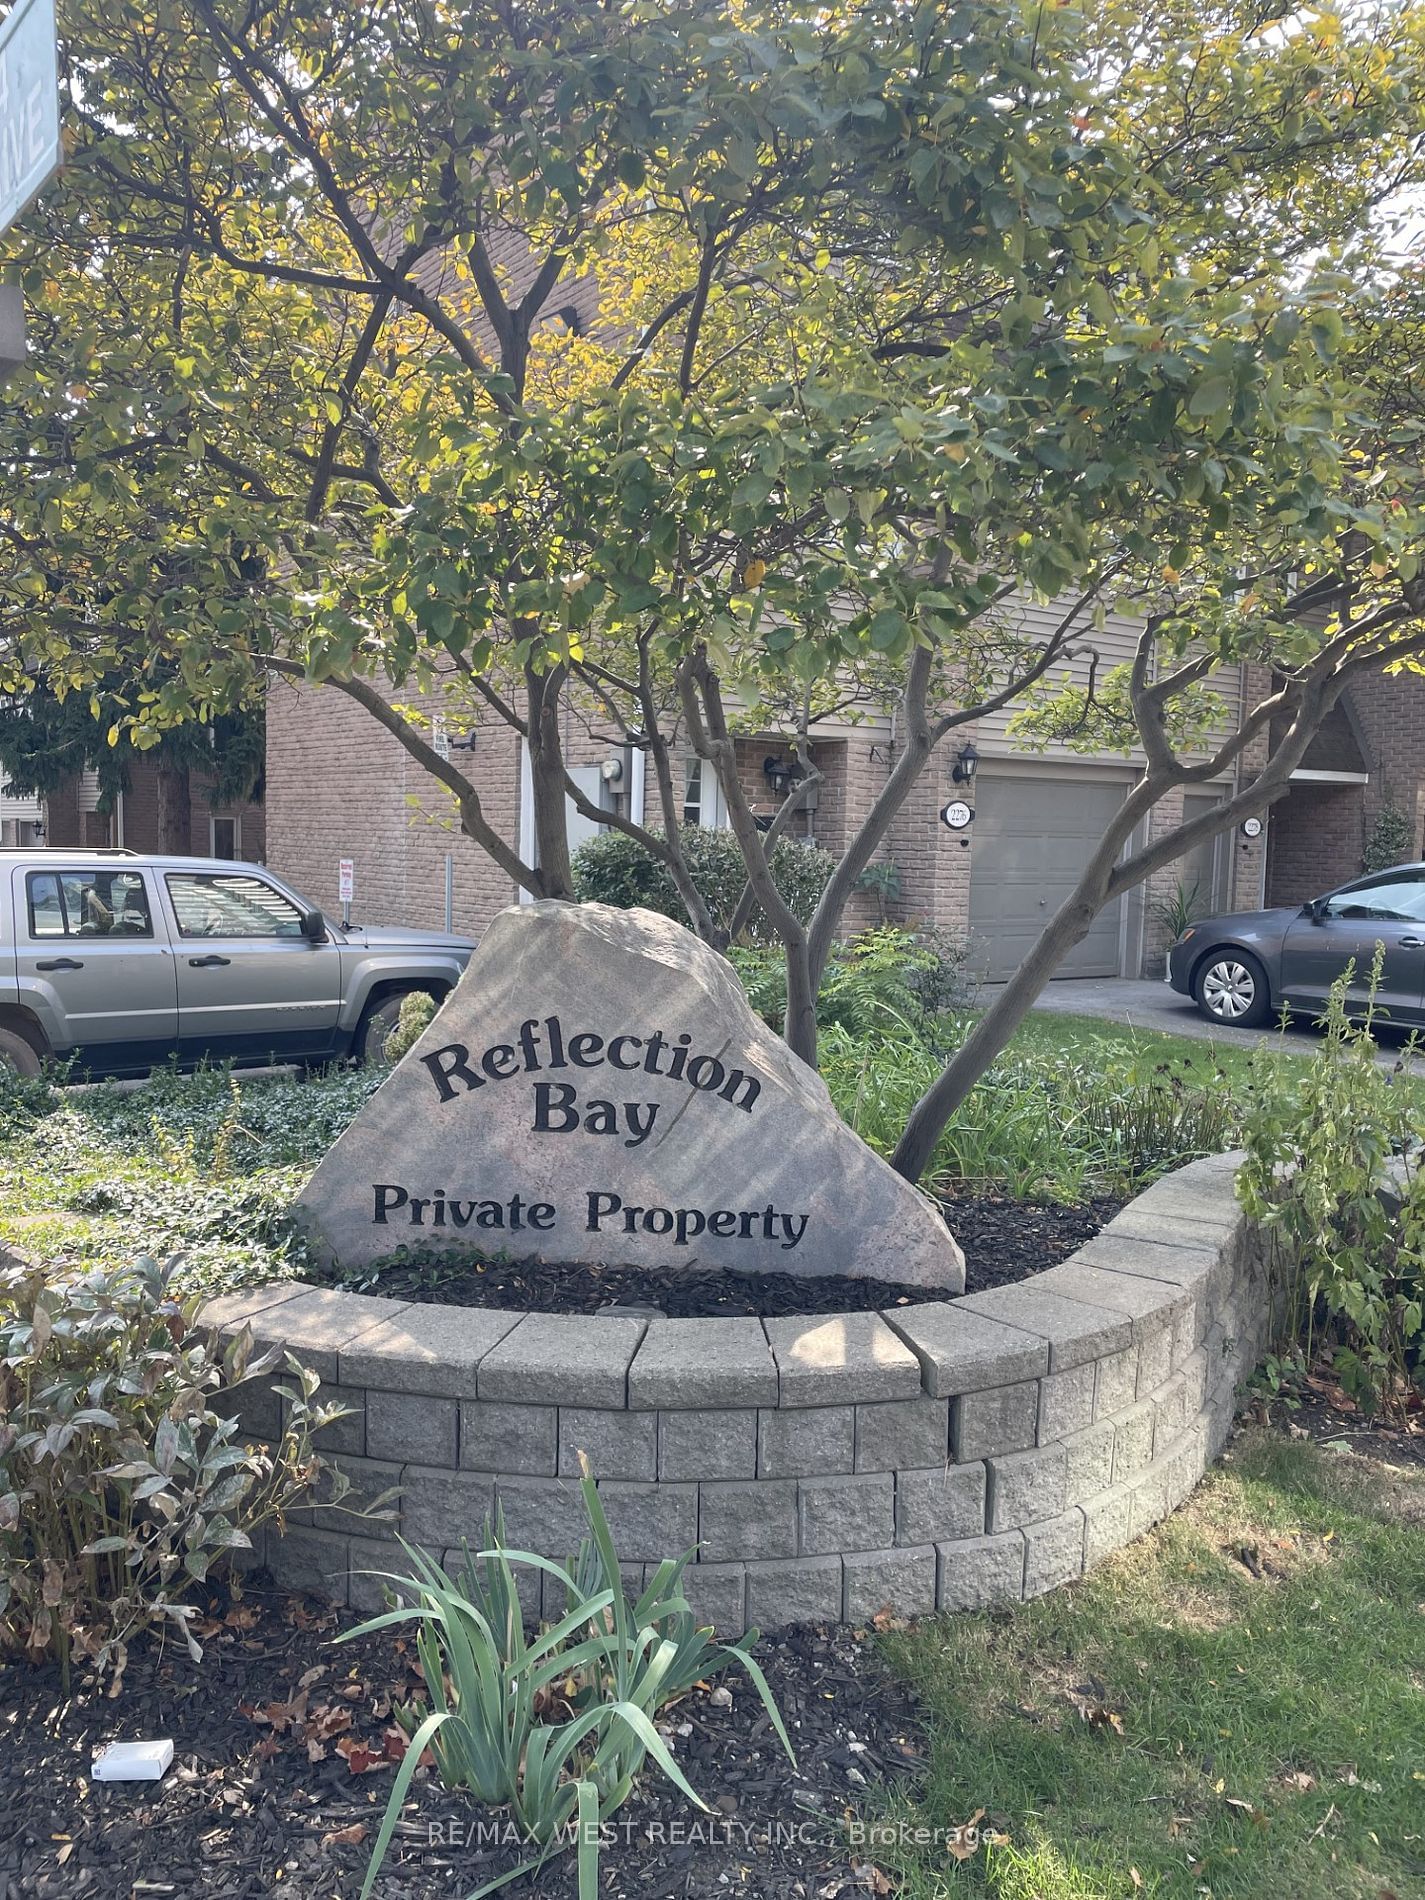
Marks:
<point>209,1163</point>
<point>1333,1175</point>
<point>124,1480</point>
<point>1228,1708</point>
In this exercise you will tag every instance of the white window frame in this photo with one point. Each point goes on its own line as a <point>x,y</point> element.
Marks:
<point>233,818</point>
<point>709,787</point>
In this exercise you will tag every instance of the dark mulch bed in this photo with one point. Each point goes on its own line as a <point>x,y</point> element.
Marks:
<point>263,1796</point>
<point>1003,1240</point>
<point>1319,1408</point>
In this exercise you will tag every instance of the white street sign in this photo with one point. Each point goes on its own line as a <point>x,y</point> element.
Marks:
<point>30,149</point>
<point>346,880</point>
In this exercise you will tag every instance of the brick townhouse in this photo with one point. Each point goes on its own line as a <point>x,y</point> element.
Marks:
<point>73,816</point>
<point>338,786</point>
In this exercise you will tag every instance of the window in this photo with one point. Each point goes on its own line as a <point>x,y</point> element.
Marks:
<point>225,837</point>
<point>702,795</point>
<point>88,904</point>
<point>1394,900</point>
<point>224,905</point>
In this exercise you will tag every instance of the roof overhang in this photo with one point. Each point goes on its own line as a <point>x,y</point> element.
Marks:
<point>1304,777</point>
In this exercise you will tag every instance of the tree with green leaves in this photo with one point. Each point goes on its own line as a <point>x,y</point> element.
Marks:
<point>898,313</point>
<point>47,741</point>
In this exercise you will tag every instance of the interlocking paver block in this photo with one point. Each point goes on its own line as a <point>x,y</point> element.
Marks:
<point>899,1433</point>
<point>432,1349</point>
<point>1073,1331</point>
<point>846,1358</point>
<point>963,1351</point>
<point>564,1359</point>
<point>937,1505</point>
<point>703,1363</point>
<point>806,1442</point>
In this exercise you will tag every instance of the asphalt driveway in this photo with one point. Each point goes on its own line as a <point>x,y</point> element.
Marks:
<point>1143,1004</point>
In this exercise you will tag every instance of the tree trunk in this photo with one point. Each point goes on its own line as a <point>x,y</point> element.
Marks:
<point>799,1025</point>
<point>1069,925</point>
<point>175,810</point>
<point>546,771</point>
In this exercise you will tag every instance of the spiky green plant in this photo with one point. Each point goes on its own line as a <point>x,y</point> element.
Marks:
<point>559,1726</point>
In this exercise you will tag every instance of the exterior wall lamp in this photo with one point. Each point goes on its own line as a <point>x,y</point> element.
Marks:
<point>780,773</point>
<point>965,765</point>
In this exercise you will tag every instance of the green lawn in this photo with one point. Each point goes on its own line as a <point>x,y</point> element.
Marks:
<point>206,1164</point>
<point>1233,1707</point>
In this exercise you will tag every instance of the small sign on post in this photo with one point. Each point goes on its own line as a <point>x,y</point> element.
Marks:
<point>346,887</point>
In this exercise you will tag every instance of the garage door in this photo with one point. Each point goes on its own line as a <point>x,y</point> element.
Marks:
<point>1033,836</point>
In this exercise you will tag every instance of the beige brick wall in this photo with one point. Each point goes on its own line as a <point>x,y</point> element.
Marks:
<point>338,786</point>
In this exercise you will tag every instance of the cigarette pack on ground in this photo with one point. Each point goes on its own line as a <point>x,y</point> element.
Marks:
<point>131,1761</point>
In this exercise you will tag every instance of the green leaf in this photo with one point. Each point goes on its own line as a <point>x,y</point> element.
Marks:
<point>1211,396</point>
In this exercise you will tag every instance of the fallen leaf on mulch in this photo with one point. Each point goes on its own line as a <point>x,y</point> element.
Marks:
<point>361,1758</point>
<point>351,1836</point>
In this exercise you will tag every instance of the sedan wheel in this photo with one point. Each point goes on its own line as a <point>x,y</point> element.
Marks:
<point>1232,989</point>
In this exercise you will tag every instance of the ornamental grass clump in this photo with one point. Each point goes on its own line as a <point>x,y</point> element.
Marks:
<point>123,1486</point>
<point>1333,1176</point>
<point>557,1727</point>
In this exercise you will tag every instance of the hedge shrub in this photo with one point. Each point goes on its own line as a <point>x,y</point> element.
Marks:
<point>615,869</point>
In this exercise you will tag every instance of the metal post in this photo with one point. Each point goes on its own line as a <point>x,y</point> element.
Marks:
<point>449,894</point>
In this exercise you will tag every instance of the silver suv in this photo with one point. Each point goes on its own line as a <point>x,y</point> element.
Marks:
<point>120,960</point>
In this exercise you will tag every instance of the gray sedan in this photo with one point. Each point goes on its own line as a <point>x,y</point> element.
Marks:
<point>1246,966</point>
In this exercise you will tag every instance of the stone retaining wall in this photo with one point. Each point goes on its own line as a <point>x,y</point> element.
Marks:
<point>948,1455</point>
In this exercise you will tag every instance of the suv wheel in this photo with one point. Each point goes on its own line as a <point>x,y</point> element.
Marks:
<point>380,1019</point>
<point>1231,988</point>
<point>19,1054</point>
